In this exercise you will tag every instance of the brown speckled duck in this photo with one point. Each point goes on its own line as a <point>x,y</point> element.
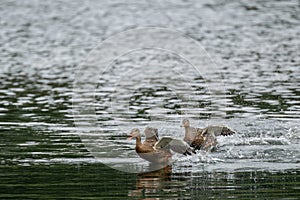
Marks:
<point>155,150</point>
<point>193,136</point>
<point>204,138</point>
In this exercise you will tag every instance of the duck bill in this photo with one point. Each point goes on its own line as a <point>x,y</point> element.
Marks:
<point>129,137</point>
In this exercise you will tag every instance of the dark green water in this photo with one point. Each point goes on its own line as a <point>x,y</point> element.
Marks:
<point>94,181</point>
<point>255,46</point>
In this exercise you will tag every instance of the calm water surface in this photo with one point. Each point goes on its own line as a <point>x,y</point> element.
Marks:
<point>255,46</point>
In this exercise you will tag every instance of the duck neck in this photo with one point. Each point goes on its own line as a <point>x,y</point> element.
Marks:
<point>186,133</point>
<point>189,132</point>
<point>186,130</point>
<point>138,141</point>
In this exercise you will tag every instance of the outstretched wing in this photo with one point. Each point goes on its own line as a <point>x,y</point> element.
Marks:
<point>163,142</point>
<point>176,145</point>
<point>217,131</point>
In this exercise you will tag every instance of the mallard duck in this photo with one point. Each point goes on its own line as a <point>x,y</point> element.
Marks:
<point>204,138</point>
<point>193,136</point>
<point>155,150</point>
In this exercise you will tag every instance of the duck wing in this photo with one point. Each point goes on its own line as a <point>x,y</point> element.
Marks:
<point>227,131</point>
<point>176,145</point>
<point>217,131</point>
<point>151,136</point>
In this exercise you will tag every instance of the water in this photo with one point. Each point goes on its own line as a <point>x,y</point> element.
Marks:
<point>253,87</point>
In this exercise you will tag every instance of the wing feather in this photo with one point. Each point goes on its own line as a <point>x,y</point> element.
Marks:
<point>176,145</point>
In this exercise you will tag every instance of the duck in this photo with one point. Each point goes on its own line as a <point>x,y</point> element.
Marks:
<point>204,138</point>
<point>193,136</point>
<point>156,150</point>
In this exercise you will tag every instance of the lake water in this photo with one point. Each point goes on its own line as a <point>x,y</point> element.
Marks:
<point>63,133</point>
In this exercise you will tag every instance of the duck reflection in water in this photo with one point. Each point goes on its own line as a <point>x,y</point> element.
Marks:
<point>152,182</point>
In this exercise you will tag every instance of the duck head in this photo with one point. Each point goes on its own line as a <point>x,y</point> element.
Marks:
<point>185,123</point>
<point>135,133</point>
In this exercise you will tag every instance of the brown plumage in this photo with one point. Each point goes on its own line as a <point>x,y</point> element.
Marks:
<point>204,138</point>
<point>157,150</point>
<point>146,151</point>
<point>193,136</point>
